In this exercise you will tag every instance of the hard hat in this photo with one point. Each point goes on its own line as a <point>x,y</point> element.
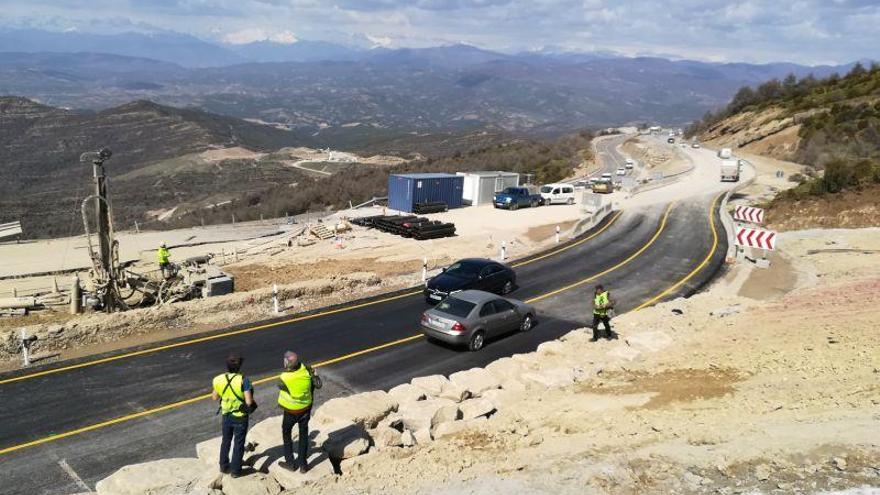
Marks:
<point>164,244</point>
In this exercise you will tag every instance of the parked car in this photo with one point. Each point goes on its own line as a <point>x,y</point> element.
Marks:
<point>581,183</point>
<point>557,193</point>
<point>629,164</point>
<point>621,171</point>
<point>514,197</point>
<point>470,273</point>
<point>695,145</point>
<point>470,317</point>
<point>606,176</point>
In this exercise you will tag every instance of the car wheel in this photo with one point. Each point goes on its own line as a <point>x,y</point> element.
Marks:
<point>570,201</point>
<point>508,287</point>
<point>527,324</point>
<point>534,204</point>
<point>477,341</point>
<point>514,206</point>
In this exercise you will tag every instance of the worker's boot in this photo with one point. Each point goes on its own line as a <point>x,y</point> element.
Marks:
<point>595,335</point>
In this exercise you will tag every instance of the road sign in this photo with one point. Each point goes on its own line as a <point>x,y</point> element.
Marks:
<point>748,214</point>
<point>756,238</point>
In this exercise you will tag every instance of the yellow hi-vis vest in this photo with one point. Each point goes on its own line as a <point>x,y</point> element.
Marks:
<point>296,394</point>
<point>599,303</point>
<point>231,396</point>
<point>162,256</point>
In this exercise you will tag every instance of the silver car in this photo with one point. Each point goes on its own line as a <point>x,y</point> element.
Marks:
<point>470,317</point>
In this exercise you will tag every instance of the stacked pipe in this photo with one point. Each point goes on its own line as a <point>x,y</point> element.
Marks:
<point>435,207</point>
<point>419,228</point>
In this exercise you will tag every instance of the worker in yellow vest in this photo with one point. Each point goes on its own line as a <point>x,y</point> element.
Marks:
<point>236,396</point>
<point>602,304</point>
<point>296,386</point>
<point>163,258</point>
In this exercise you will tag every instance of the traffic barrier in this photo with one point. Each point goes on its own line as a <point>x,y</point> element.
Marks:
<point>756,238</point>
<point>748,214</point>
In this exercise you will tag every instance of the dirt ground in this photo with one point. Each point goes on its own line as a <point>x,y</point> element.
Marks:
<point>777,394</point>
<point>657,155</point>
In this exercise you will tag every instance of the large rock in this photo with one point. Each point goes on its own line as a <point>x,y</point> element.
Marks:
<point>550,378</point>
<point>166,477</point>
<point>345,441</point>
<point>407,439</point>
<point>319,467</point>
<point>423,437</point>
<point>475,381</point>
<point>425,414</point>
<point>263,444</point>
<point>474,408</point>
<point>504,398</point>
<point>252,484</point>
<point>552,347</point>
<point>407,392</point>
<point>365,409</point>
<point>447,429</point>
<point>506,368</point>
<point>432,385</point>
<point>385,437</point>
<point>453,392</point>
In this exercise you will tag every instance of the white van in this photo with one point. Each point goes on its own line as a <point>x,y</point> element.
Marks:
<point>629,164</point>
<point>557,193</point>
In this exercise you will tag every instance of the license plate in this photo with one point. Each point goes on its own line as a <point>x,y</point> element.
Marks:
<point>435,297</point>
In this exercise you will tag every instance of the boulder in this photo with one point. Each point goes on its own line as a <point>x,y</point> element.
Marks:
<point>529,359</point>
<point>406,393</point>
<point>252,484</point>
<point>432,385</point>
<point>511,384</point>
<point>453,392</point>
<point>357,465</point>
<point>407,439</point>
<point>209,451</point>
<point>347,441</point>
<point>475,381</point>
<point>447,429</point>
<point>365,409</point>
<point>504,398</point>
<point>552,347</point>
<point>385,437</point>
<point>423,437</point>
<point>550,378</point>
<point>166,476</point>
<point>319,467</point>
<point>506,368</point>
<point>475,408</point>
<point>420,415</point>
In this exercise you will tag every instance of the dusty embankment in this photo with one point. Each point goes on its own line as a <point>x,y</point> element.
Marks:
<point>658,157</point>
<point>731,391</point>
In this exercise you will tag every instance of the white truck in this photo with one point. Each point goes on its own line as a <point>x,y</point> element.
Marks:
<point>729,171</point>
<point>725,153</point>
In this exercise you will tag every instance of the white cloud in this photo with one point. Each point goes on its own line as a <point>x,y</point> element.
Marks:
<point>251,35</point>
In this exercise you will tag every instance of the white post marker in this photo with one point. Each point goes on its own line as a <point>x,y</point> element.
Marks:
<point>503,250</point>
<point>424,269</point>
<point>557,234</point>
<point>275,298</point>
<point>25,356</point>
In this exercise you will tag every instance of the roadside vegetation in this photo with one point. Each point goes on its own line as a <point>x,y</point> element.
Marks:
<point>839,118</point>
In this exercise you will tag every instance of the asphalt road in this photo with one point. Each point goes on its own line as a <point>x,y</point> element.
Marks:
<point>640,256</point>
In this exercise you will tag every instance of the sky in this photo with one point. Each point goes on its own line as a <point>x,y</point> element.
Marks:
<point>802,31</point>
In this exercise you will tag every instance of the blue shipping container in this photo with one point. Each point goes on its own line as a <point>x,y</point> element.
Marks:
<point>407,190</point>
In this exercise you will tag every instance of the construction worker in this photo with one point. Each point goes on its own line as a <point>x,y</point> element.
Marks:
<point>163,257</point>
<point>296,386</point>
<point>236,396</point>
<point>602,303</point>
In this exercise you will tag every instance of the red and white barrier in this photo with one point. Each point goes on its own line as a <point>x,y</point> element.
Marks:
<point>748,214</point>
<point>756,238</point>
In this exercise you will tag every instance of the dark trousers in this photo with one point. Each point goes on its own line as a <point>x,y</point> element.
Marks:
<point>234,432</point>
<point>604,319</point>
<point>301,419</point>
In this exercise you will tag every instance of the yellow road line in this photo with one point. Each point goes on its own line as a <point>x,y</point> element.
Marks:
<point>386,345</point>
<point>615,267</point>
<point>268,325</point>
<point>174,405</point>
<point>699,267</point>
<point>327,362</point>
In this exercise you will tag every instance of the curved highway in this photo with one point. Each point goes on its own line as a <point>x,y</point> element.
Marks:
<point>76,423</point>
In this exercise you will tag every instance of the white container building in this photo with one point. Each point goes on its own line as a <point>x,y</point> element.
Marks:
<point>480,187</point>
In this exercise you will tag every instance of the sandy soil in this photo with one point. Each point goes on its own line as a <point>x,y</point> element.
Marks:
<point>656,155</point>
<point>784,400</point>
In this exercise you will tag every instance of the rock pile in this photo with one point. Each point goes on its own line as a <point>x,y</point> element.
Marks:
<point>407,416</point>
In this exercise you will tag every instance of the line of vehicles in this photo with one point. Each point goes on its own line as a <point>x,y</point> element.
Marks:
<point>469,304</point>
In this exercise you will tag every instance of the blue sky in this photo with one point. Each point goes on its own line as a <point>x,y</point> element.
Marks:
<point>805,31</point>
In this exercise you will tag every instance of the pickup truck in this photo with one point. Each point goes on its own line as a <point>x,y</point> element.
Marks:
<point>514,197</point>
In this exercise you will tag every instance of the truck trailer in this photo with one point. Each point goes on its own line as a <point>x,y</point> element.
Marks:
<point>729,171</point>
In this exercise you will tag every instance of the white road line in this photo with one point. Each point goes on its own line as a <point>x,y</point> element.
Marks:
<point>76,479</point>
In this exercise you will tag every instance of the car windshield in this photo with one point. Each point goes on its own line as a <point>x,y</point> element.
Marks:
<point>546,189</point>
<point>455,307</point>
<point>463,270</point>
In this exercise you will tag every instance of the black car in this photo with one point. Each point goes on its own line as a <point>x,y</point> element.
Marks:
<point>470,273</point>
